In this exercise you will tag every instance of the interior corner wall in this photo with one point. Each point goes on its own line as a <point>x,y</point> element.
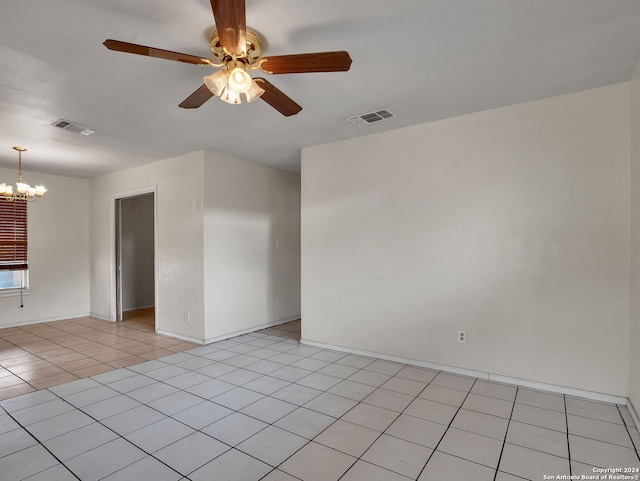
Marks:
<point>634,337</point>
<point>511,224</point>
<point>58,230</point>
<point>179,240</point>
<point>137,247</point>
<point>251,245</point>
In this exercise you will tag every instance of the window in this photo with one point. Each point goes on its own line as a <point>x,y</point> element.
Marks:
<point>13,245</point>
<point>14,280</point>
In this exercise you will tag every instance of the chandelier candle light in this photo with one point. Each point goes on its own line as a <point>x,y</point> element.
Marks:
<point>22,191</point>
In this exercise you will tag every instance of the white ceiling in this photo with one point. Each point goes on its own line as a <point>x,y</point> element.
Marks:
<point>422,59</point>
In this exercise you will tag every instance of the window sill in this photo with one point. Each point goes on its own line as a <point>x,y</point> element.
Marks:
<point>14,292</point>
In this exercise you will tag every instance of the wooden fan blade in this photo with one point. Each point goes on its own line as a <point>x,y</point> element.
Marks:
<point>277,99</point>
<point>127,47</point>
<point>231,25</point>
<point>308,62</point>
<point>197,98</point>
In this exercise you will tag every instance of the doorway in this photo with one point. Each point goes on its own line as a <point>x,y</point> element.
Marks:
<point>135,282</point>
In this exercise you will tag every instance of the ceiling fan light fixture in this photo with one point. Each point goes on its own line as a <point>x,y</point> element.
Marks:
<point>230,96</point>
<point>216,82</point>
<point>254,92</point>
<point>239,80</point>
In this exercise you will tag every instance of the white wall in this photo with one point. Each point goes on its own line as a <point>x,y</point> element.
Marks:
<point>511,224</point>
<point>179,239</point>
<point>251,245</point>
<point>227,237</point>
<point>137,245</point>
<point>634,337</point>
<point>58,251</point>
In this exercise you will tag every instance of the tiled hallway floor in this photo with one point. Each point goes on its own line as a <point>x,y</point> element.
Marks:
<point>263,407</point>
<point>38,356</point>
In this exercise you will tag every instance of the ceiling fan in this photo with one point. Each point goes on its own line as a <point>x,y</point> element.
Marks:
<point>238,49</point>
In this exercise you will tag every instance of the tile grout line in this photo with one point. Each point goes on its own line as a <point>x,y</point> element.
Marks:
<point>359,458</point>
<point>448,427</point>
<point>41,444</point>
<point>635,448</point>
<point>504,442</point>
<point>566,420</point>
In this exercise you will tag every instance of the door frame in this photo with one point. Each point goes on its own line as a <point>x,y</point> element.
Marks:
<point>114,231</point>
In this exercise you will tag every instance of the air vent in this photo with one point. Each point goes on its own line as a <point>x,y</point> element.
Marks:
<point>371,117</point>
<point>73,127</point>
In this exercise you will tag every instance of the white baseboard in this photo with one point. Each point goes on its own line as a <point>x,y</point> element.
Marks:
<point>225,336</point>
<point>569,391</point>
<point>596,396</point>
<point>49,319</point>
<point>180,336</point>
<point>403,360</point>
<point>101,317</point>
<point>250,330</point>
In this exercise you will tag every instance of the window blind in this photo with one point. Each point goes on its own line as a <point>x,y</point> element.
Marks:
<point>13,235</point>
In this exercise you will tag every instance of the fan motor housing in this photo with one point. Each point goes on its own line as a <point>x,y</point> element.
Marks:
<point>254,47</point>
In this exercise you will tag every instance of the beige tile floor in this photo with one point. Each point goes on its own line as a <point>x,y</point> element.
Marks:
<point>39,356</point>
<point>261,406</point>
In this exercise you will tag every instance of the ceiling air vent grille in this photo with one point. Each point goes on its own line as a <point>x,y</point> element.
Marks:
<point>73,127</point>
<point>371,117</point>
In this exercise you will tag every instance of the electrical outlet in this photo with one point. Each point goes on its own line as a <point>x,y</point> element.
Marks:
<point>462,336</point>
<point>148,291</point>
<point>187,317</point>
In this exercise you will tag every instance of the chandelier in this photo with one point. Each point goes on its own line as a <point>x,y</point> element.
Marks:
<point>21,191</point>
